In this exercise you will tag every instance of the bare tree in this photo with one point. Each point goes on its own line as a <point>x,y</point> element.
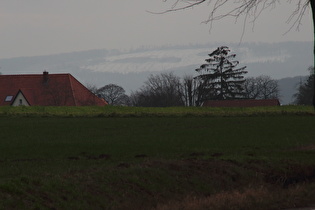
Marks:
<point>91,88</point>
<point>188,90</point>
<point>261,87</point>
<point>249,10</point>
<point>251,89</point>
<point>160,90</point>
<point>113,94</point>
<point>59,96</point>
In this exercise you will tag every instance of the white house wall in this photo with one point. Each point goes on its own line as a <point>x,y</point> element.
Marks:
<point>20,100</point>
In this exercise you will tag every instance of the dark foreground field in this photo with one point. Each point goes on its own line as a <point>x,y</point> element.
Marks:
<point>123,158</point>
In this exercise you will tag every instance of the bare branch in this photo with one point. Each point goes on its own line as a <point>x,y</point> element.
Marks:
<point>298,14</point>
<point>249,9</point>
<point>174,7</point>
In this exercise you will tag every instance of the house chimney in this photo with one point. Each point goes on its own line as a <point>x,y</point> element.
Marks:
<point>45,76</point>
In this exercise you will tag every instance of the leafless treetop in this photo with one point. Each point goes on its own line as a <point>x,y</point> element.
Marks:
<point>249,10</point>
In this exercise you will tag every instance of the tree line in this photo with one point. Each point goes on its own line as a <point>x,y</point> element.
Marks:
<point>220,78</point>
<point>180,92</point>
<point>168,89</point>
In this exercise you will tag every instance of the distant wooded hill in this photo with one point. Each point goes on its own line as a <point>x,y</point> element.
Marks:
<point>288,87</point>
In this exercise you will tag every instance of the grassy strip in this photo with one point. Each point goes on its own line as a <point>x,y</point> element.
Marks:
<point>167,137</point>
<point>260,198</point>
<point>156,162</point>
<point>114,111</point>
<point>161,184</point>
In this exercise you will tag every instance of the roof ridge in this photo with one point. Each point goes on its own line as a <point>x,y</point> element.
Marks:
<point>84,87</point>
<point>30,75</point>
<point>72,90</point>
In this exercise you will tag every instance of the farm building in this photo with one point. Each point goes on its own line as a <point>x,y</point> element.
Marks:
<point>242,103</point>
<point>45,90</point>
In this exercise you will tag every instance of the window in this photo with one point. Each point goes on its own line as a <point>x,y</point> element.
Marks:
<point>21,102</point>
<point>8,98</point>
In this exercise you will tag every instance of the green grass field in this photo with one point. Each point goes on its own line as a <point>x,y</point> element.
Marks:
<point>156,158</point>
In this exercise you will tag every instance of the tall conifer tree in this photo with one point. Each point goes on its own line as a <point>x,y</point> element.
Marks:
<point>219,79</point>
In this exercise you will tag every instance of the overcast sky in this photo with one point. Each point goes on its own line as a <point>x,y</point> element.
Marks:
<point>42,27</point>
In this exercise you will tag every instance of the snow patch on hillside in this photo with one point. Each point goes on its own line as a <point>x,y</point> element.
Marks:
<point>149,61</point>
<point>161,60</point>
<point>250,56</point>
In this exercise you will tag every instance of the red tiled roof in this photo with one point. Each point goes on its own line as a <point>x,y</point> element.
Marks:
<point>47,90</point>
<point>242,103</point>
